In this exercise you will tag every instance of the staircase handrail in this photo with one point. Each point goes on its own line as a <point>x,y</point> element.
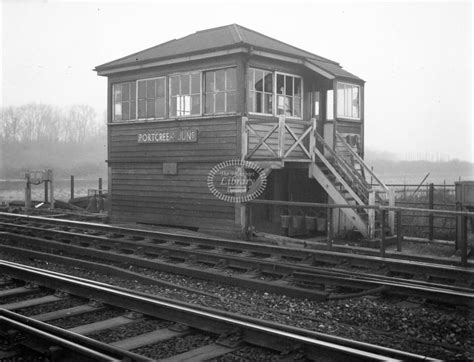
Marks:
<point>346,168</point>
<point>338,176</point>
<point>362,162</point>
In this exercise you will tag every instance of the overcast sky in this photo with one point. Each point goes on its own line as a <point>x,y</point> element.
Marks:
<point>415,57</point>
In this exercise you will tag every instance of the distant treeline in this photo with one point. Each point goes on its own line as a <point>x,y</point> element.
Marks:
<point>37,136</point>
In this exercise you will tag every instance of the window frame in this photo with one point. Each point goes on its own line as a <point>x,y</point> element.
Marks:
<point>359,101</point>
<point>170,96</point>
<point>293,96</point>
<point>255,91</point>
<point>164,98</point>
<point>204,92</point>
<point>274,93</point>
<point>132,117</point>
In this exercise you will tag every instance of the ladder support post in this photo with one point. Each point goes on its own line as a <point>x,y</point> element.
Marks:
<point>399,231</point>
<point>391,214</point>
<point>371,215</point>
<point>383,213</point>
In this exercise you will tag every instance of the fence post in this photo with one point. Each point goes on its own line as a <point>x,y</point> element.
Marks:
<point>382,237</point>
<point>464,240</point>
<point>330,229</point>
<point>431,206</point>
<point>391,214</point>
<point>399,231</point>
<point>371,215</point>
<point>72,187</point>
<point>46,192</point>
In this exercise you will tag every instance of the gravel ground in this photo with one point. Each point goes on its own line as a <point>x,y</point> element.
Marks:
<point>432,330</point>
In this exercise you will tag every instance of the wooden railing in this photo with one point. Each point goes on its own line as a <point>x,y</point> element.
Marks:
<point>285,140</point>
<point>374,189</point>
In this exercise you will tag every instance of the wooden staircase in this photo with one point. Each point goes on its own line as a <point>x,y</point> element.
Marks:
<point>342,174</point>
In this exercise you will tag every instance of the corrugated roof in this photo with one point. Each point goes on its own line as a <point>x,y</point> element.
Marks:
<point>229,36</point>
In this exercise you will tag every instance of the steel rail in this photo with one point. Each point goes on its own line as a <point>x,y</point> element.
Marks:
<point>450,294</point>
<point>38,330</point>
<point>324,255</point>
<point>145,246</point>
<point>209,319</point>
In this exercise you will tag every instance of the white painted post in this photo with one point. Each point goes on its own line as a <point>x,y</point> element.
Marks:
<point>281,135</point>
<point>391,214</point>
<point>371,215</point>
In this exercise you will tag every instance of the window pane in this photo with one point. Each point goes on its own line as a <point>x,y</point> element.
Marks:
<point>268,104</point>
<point>141,108</point>
<point>173,106</point>
<point>209,80</point>
<point>231,79</point>
<point>297,86</point>
<point>258,80</point>
<point>329,104</point>
<point>125,111</point>
<point>117,92</point>
<point>196,104</point>
<point>269,82</point>
<point>118,111</point>
<point>174,85</point>
<point>355,102</point>
<point>150,89</point>
<point>160,87</point>
<point>196,83</point>
<point>133,110</point>
<point>220,80</point>
<point>220,102</point>
<point>159,107</point>
<point>258,102</point>
<point>141,89</point>
<point>340,101</point>
<point>289,106</point>
<point>126,92</point>
<point>150,108</point>
<point>231,102</point>
<point>289,85</point>
<point>133,90</point>
<point>185,89</point>
<point>280,85</point>
<point>280,104</point>
<point>209,106</point>
<point>297,103</point>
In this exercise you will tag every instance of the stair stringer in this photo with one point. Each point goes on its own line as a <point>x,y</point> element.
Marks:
<point>336,196</point>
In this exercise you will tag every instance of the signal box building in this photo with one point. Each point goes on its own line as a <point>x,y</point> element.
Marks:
<point>178,109</point>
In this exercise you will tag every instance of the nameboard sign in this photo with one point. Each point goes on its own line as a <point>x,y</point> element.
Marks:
<point>168,135</point>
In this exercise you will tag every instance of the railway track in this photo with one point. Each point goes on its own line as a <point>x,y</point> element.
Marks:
<point>35,330</point>
<point>285,270</point>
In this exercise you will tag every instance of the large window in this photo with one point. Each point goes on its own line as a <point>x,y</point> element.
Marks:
<point>220,91</point>
<point>260,86</point>
<point>185,93</point>
<point>348,100</point>
<point>151,98</point>
<point>124,108</point>
<point>288,90</point>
